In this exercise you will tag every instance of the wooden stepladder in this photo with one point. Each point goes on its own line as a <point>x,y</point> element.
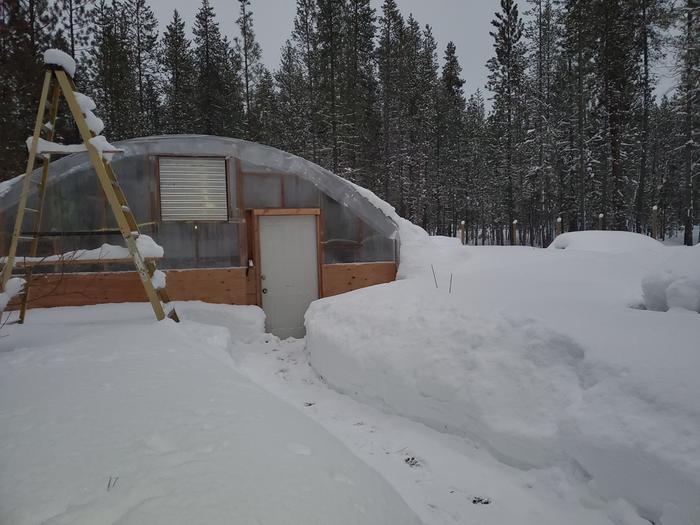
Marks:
<point>56,83</point>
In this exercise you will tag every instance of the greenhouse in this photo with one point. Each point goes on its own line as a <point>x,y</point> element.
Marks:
<point>239,223</point>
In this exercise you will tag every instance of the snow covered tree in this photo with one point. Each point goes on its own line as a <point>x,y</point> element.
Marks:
<point>211,57</point>
<point>506,81</point>
<point>142,31</point>
<point>74,22</point>
<point>249,53</point>
<point>112,78</point>
<point>177,63</point>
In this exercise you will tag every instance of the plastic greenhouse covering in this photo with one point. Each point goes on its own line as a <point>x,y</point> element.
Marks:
<point>353,229</point>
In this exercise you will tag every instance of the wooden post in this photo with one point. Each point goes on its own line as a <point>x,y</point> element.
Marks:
<point>600,221</point>
<point>557,226</point>
<point>462,232</point>
<point>514,233</point>
<point>655,222</point>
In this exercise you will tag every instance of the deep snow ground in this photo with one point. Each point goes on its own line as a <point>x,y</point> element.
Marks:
<point>107,416</point>
<point>545,357</point>
<point>93,394</point>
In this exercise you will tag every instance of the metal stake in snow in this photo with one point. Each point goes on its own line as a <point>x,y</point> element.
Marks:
<point>434,277</point>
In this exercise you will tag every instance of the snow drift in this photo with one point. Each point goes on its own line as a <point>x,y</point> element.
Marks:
<point>107,418</point>
<point>605,241</point>
<point>675,283</point>
<point>536,354</point>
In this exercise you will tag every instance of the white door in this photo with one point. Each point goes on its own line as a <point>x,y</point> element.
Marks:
<point>288,271</point>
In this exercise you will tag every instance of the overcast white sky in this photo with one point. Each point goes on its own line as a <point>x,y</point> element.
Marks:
<point>466,22</point>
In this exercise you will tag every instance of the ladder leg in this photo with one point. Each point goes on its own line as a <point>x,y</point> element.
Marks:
<point>19,220</point>
<point>39,212</point>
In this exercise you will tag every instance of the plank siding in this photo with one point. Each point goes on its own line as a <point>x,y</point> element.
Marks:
<point>215,285</point>
<point>341,278</point>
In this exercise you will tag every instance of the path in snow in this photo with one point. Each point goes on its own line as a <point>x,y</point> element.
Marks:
<point>445,479</point>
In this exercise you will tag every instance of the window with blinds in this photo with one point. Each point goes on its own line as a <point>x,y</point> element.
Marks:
<point>193,189</point>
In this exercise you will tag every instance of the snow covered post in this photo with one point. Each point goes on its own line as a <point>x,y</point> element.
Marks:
<point>462,232</point>
<point>600,221</point>
<point>655,222</point>
<point>514,233</point>
<point>557,227</point>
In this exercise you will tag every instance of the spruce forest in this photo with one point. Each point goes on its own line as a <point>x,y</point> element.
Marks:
<point>569,132</point>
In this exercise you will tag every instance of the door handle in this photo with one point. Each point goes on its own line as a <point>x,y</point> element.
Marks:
<point>264,290</point>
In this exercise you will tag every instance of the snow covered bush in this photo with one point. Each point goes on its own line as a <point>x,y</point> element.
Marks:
<point>675,283</point>
<point>604,241</point>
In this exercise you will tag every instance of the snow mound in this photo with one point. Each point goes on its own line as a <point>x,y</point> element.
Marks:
<point>675,283</point>
<point>12,288</point>
<point>605,241</point>
<point>107,418</point>
<point>536,355</point>
<point>56,57</point>
<point>503,380</point>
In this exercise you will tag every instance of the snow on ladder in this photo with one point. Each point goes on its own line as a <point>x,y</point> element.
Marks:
<point>58,80</point>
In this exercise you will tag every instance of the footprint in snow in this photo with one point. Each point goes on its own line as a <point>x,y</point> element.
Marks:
<point>299,449</point>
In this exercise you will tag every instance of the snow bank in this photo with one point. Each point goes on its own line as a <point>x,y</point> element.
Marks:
<point>108,417</point>
<point>505,381</point>
<point>56,57</point>
<point>675,283</point>
<point>12,288</point>
<point>605,241</point>
<point>537,355</point>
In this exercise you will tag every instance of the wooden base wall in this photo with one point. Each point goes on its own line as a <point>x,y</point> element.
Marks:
<point>341,278</point>
<point>215,285</point>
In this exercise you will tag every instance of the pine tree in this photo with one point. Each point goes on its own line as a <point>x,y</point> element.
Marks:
<point>142,30</point>
<point>391,28</point>
<point>27,29</point>
<point>177,63</point>
<point>330,55</point>
<point>359,133</point>
<point>211,57</point>
<point>292,102</point>
<point>112,81</point>
<point>689,54</point>
<point>249,53</point>
<point>74,21</point>
<point>505,80</point>
<point>451,172</point>
<point>305,38</point>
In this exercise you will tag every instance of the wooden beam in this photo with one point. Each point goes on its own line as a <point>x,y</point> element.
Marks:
<point>286,211</point>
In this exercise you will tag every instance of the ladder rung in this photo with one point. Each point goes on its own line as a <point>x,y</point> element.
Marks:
<point>25,238</point>
<point>31,210</point>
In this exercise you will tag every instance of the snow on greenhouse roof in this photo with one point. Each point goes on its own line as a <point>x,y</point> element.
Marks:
<point>265,157</point>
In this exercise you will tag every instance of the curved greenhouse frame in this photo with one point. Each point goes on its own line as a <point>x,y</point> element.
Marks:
<point>202,199</point>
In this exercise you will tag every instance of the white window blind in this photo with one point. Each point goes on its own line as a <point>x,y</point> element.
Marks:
<point>193,189</point>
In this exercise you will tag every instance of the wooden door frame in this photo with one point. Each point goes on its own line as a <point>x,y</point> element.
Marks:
<point>256,213</point>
